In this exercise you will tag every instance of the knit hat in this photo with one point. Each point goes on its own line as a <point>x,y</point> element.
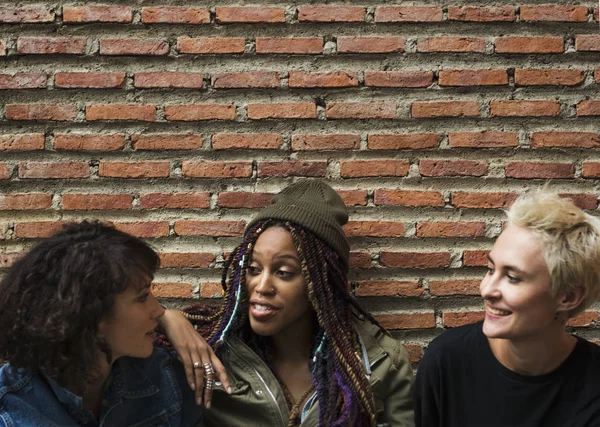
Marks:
<point>315,206</point>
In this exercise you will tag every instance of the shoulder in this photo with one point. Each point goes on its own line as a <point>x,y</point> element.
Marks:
<point>13,379</point>
<point>456,340</point>
<point>377,341</point>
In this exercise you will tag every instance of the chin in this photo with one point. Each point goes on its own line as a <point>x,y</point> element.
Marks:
<point>492,331</point>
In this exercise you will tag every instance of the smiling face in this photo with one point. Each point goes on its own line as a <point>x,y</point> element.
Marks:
<point>516,289</point>
<point>130,329</point>
<point>276,286</point>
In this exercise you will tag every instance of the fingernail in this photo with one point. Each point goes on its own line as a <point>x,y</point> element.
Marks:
<point>193,386</point>
<point>207,405</point>
<point>199,401</point>
<point>229,390</point>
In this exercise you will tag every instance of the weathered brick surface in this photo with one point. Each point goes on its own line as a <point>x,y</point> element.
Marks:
<point>179,121</point>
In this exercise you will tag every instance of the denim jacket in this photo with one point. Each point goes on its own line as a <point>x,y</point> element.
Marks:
<point>140,392</point>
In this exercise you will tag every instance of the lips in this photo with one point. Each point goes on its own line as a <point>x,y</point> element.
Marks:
<point>497,311</point>
<point>261,309</point>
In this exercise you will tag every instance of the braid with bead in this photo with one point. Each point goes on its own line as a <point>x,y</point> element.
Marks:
<point>339,376</point>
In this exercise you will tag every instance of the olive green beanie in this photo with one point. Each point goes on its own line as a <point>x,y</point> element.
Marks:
<point>316,207</point>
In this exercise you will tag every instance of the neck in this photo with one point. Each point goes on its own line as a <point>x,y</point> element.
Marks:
<point>92,392</point>
<point>534,355</point>
<point>293,345</point>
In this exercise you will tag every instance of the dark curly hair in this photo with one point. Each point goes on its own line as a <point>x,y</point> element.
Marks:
<point>54,297</point>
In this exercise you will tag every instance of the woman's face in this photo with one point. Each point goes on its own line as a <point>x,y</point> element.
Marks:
<point>130,330</point>
<point>517,288</point>
<point>276,286</point>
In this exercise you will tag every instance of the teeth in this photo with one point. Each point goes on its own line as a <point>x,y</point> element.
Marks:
<point>263,308</point>
<point>498,312</point>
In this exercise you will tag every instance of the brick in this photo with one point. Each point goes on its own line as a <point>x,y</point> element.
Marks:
<point>200,200</point>
<point>246,80</point>
<point>453,319</point>
<point>451,44</point>
<point>150,47</point>
<point>518,108</point>
<point>374,229</point>
<point>353,197</point>
<point>415,352</point>
<point>325,142</point>
<point>244,199</point>
<point>288,110</point>
<point>373,168</point>
<point>408,14</point>
<point>483,139</point>
<point>588,108</point>
<point>81,14</point>
<point>134,169</point>
<point>89,142</point>
<point>89,80</point>
<point>303,79</point>
<point>89,202</point>
<point>495,200</point>
<point>292,168</point>
<point>408,198</point>
<point>7,260</point>
<point>388,288</point>
<point>145,113</point>
<point>361,110</point>
<point>547,77</point>
<point>186,259</point>
<point>291,45</point>
<point>23,80</point>
<point>451,229</point>
<point>144,229</point>
<point>583,319</point>
<point>565,139</point>
<point>542,170</point>
<point>482,13</point>
<point>211,290</point>
<point>554,13</point>
<point>262,15</point>
<point>171,290</point>
<point>168,79</point>
<point>452,168</point>
<point>2,48</point>
<point>209,228</point>
<point>54,112</point>
<point>398,78</point>
<point>414,259</point>
<point>175,15</point>
<point>473,78</point>
<point>353,44</point>
<point>22,142</point>
<point>596,14</point>
<point>590,170</point>
<point>37,229</point>
<point>193,112</point>
<point>53,170</point>
<point>331,13</point>
<point>30,201</point>
<point>252,141</point>
<point>25,15</point>
<point>529,45</point>
<point>167,141</point>
<point>433,109</point>
<point>211,45</point>
<point>475,258</point>
<point>66,45</point>
<point>454,287</point>
<point>597,75</point>
<point>193,169</point>
<point>360,260</point>
<point>407,320</point>
<point>415,141</point>
<point>4,172</point>
<point>582,201</point>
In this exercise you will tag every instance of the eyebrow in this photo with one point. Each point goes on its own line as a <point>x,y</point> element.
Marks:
<point>507,267</point>
<point>286,256</point>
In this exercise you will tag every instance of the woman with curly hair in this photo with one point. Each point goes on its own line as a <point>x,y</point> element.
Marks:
<point>77,318</point>
<point>297,347</point>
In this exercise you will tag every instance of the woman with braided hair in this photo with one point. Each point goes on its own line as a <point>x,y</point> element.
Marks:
<point>297,347</point>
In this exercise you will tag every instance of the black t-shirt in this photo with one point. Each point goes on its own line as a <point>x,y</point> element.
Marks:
<point>460,383</point>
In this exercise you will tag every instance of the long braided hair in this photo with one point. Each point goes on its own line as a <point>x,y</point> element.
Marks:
<point>338,372</point>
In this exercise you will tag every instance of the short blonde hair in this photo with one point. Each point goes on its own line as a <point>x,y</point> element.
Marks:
<point>570,238</point>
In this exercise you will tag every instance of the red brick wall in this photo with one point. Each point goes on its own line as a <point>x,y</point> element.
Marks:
<point>178,122</point>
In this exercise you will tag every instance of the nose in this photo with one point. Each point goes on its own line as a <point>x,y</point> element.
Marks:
<point>489,286</point>
<point>264,285</point>
<point>157,309</point>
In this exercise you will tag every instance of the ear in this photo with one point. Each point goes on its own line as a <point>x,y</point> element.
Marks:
<point>571,299</point>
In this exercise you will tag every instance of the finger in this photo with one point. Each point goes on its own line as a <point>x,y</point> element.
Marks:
<point>209,383</point>
<point>221,372</point>
<point>199,378</point>
<point>186,360</point>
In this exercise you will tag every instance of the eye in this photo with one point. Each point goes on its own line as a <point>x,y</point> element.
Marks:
<point>285,274</point>
<point>253,270</point>
<point>144,297</point>
<point>490,270</point>
<point>513,279</point>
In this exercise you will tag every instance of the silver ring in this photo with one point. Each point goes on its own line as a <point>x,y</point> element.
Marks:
<point>208,369</point>
<point>209,384</point>
<point>196,365</point>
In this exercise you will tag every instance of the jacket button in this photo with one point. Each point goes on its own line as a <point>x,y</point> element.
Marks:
<point>259,392</point>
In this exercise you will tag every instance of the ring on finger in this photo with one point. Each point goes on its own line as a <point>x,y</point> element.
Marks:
<point>196,365</point>
<point>208,369</point>
<point>210,384</point>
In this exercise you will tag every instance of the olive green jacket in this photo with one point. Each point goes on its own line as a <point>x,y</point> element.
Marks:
<point>258,400</point>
